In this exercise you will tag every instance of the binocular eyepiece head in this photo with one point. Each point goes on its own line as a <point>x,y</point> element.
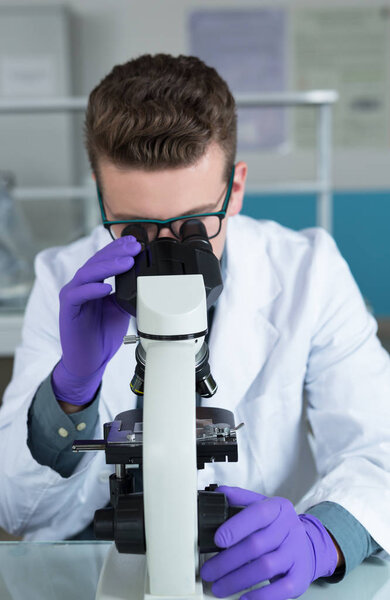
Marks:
<point>192,231</point>
<point>189,255</point>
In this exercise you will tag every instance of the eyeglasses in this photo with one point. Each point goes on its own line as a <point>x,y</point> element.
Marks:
<point>212,221</point>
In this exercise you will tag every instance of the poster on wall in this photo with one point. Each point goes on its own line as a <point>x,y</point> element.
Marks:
<point>248,49</point>
<point>28,76</point>
<point>346,49</point>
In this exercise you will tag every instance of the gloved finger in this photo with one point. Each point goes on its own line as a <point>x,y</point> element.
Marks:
<point>124,245</point>
<point>283,588</point>
<point>102,269</point>
<point>252,547</point>
<point>77,296</point>
<point>127,245</point>
<point>261,569</point>
<point>238,496</point>
<point>255,516</point>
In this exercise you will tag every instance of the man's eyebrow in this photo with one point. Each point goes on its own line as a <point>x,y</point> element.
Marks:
<point>194,211</point>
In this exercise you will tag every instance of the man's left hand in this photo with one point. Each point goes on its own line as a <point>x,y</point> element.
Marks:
<point>268,540</point>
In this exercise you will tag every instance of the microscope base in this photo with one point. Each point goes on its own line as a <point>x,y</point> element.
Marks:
<point>123,577</point>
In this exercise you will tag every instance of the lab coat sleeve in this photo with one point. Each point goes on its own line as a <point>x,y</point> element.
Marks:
<point>348,398</point>
<point>355,542</point>
<point>35,500</point>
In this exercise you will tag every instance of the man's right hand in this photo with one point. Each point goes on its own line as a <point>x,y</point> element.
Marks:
<point>92,324</point>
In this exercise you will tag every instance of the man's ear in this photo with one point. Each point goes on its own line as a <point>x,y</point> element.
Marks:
<point>238,189</point>
<point>94,176</point>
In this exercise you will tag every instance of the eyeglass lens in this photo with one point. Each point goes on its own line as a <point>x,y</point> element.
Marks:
<point>212,224</point>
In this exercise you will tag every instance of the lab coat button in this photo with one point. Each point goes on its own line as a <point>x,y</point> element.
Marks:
<point>80,426</point>
<point>63,432</point>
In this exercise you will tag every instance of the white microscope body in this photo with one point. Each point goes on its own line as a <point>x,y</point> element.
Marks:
<point>172,322</point>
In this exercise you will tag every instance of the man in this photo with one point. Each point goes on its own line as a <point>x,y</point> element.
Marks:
<point>292,347</point>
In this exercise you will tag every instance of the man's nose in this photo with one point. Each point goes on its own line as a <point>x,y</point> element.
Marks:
<point>165,232</point>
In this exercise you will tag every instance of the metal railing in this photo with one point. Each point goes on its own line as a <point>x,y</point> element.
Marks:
<point>322,185</point>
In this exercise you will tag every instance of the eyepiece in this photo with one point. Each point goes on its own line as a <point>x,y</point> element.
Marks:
<point>194,231</point>
<point>137,231</point>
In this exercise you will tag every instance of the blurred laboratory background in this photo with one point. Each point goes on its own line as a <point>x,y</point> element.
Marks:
<point>312,82</point>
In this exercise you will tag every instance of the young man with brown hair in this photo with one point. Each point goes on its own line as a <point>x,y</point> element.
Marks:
<point>291,345</point>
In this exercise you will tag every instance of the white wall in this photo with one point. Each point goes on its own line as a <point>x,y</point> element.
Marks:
<point>106,32</point>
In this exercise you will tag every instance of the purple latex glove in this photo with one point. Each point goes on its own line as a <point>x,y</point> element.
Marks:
<point>92,324</point>
<point>267,540</point>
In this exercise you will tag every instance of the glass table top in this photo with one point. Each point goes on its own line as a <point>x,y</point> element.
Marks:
<point>70,570</point>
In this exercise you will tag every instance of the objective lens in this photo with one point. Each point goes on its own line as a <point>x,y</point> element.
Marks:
<point>205,383</point>
<point>137,383</point>
<point>207,386</point>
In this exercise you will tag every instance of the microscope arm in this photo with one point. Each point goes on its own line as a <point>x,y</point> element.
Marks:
<point>169,468</point>
<point>172,316</point>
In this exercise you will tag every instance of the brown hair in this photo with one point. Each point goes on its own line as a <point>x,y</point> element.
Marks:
<point>160,111</point>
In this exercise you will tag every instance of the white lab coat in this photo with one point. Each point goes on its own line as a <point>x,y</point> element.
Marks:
<point>290,319</point>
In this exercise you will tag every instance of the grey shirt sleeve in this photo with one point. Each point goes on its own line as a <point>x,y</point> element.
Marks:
<point>355,542</point>
<point>51,431</point>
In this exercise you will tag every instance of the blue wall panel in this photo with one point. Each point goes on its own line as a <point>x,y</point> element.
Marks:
<point>361,228</point>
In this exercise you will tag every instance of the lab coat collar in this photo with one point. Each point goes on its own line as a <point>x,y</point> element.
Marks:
<point>248,261</point>
<point>251,335</point>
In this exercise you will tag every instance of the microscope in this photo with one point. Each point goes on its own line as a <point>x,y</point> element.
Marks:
<point>160,532</point>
